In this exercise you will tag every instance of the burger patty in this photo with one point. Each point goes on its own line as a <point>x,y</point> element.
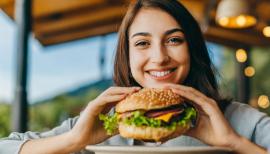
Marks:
<point>154,113</point>
<point>175,109</point>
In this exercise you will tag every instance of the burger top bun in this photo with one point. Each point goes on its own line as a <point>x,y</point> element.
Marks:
<point>148,99</point>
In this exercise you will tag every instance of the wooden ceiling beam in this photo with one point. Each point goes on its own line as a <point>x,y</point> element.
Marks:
<point>3,3</point>
<point>234,38</point>
<point>75,20</point>
<point>100,23</point>
<point>51,8</point>
<point>80,34</point>
<point>263,9</point>
<point>196,7</point>
<point>9,9</point>
<point>44,8</point>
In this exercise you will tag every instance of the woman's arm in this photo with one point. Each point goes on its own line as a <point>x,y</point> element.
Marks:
<point>54,145</point>
<point>14,142</point>
<point>242,145</point>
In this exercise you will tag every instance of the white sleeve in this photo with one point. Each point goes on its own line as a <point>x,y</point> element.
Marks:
<point>13,143</point>
<point>261,133</point>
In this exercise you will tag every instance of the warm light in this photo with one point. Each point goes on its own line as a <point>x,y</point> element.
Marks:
<point>241,20</point>
<point>223,21</point>
<point>266,31</point>
<point>241,55</point>
<point>263,101</point>
<point>249,71</point>
<point>235,14</point>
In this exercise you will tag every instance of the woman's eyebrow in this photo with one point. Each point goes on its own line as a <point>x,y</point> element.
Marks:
<point>173,30</point>
<point>166,33</point>
<point>141,34</point>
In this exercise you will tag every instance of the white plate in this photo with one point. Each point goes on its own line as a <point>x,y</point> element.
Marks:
<point>156,150</point>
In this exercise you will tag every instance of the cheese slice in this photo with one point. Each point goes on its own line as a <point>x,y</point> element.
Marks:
<point>165,117</point>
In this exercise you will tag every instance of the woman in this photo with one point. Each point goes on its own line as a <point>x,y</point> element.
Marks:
<point>160,45</point>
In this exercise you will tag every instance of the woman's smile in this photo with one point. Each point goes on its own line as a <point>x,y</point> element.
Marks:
<point>161,74</point>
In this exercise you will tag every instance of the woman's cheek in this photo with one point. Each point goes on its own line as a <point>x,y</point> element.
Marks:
<point>136,60</point>
<point>137,57</point>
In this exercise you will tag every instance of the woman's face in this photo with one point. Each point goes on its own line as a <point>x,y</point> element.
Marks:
<point>158,51</point>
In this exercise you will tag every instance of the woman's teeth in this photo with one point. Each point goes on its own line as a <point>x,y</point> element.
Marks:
<point>160,73</point>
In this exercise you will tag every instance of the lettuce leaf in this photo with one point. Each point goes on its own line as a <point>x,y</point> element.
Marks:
<point>138,119</point>
<point>109,123</point>
<point>190,115</point>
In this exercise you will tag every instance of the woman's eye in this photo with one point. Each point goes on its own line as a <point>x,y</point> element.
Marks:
<point>142,44</point>
<point>175,40</point>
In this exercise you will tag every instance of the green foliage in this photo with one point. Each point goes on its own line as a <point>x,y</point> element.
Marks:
<point>4,119</point>
<point>49,114</point>
<point>227,80</point>
<point>260,83</point>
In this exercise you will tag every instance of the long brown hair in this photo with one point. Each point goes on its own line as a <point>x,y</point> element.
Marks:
<point>202,72</point>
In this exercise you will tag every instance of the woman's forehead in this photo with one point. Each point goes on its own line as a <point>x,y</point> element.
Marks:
<point>152,20</point>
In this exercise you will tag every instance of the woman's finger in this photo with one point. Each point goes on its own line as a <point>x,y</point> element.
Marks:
<point>121,90</point>
<point>187,89</point>
<point>204,104</point>
<point>190,90</point>
<point>103,104</point>
<point>190,96</point>
<point>111,102</point>
<point>115,98</point>
<point>111,99</point>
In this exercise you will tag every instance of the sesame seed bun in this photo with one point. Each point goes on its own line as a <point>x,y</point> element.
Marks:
<point>148,99</point>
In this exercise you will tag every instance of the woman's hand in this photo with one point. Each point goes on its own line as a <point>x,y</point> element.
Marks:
<point>212,127</point>
<point>89,129</point>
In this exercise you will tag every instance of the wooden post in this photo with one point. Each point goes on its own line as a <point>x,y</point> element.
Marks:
<point>20,106</point>
<point>242,81</point>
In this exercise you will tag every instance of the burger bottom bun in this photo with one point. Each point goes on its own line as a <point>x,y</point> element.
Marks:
<point>150,134</point>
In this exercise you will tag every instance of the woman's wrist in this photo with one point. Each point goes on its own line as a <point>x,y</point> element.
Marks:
<point>74,142</point>
<point>241,145</point>
<point>92,109</point>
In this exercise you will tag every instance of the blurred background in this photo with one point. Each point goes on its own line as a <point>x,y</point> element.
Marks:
<point>71,45</point>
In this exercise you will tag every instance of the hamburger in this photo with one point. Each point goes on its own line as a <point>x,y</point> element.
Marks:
<point>151,115</point>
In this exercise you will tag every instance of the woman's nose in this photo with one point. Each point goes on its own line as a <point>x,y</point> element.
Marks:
<point>159,55</point>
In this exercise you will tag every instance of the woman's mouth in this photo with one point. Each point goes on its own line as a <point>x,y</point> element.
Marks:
<point>161,74</point>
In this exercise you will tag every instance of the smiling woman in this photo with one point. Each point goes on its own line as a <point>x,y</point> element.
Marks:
<point>158,50</point>
<point>160,46</point>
